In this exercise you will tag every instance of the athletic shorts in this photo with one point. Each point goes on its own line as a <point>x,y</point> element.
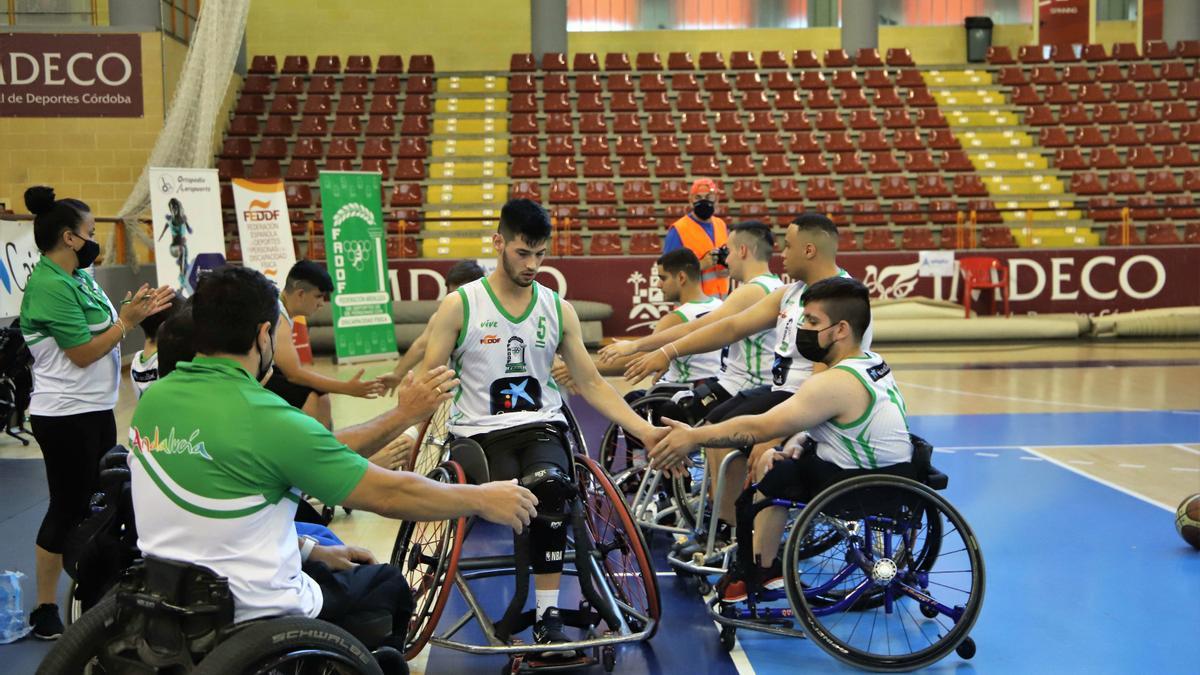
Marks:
<point>754,401</point>
<point>296,395</point>
<point>804,478</point>
<point>514,454</point>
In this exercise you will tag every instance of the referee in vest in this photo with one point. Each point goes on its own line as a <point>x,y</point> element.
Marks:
<point>703,233</point>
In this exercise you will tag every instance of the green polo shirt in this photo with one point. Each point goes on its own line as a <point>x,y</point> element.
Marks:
<point>218,464</point>
<point>61,311</point>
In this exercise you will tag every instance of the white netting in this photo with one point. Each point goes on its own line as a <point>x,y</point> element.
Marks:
<point>187,134</point>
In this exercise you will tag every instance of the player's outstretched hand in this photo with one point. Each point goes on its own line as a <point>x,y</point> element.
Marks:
<point>650,363</point>
<point>363,389</point>
<point>619,349</point>
<point>562,375</point>
<point>395,454</point>
<point>390,381</point>
<point>507,503</point>
<point>672,451</point>
<point>421,396</point>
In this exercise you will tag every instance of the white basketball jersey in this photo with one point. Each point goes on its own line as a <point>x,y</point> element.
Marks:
<point>694,367</point>
<point>747,363</point>
<point>143,372</point>
<point>789,369</point>
<point>879,437</point>
<point>504,362</point>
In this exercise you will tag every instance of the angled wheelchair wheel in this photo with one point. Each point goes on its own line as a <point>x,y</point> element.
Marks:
<point>619,451</point>
<point>92,645</point>
<point>431,447</point>
<point>624,558</point>
<point>884,574</point>
<point>290,645</point>
<point>427,553</point>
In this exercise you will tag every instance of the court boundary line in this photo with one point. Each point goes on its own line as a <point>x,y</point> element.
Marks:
<point>1185,448</point>
<point>1100,480</point>
<point>946,390</point>
<point>1049,446</point>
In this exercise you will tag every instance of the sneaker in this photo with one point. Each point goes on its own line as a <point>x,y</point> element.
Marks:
<point>731,587</point>
<point>549,629</point>
<point>688,548</point>
<point>46,623</point>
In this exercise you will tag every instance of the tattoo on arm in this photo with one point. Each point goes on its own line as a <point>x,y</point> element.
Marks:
<point>734,439</point>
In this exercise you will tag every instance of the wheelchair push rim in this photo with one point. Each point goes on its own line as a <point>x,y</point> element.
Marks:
<point>883,596</point>
<point>427,553</point>
<point>430,449</point>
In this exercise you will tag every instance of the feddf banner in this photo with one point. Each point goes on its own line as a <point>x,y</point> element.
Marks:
<point>264,228</point>
<point>188,236</point>
<point>17,258</point>
<point>70,75</point>
<point>362,311</point>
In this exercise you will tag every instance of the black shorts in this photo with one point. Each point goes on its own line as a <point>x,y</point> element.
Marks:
<point>804,478</point>
<point>513,454</point>
<point>296,395</point>
<point>754,401</point>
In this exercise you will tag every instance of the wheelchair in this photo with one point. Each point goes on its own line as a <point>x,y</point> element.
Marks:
<point>605,552</point>
<point>880,571</point>
<point>167,616</point>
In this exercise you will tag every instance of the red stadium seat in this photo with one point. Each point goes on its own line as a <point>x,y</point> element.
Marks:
<point>997,237</point>
<point>899,56</point>
<point>1143,112</point>
<point>1159,182</point>
<point>819,189</point>
<point>552,102</point>
<point>812,164</point>
<point>919,97</point>
<point>525,167</point>
<point>868,57</point>
<point>705,165</point>
<point>649,61</point>
<point>585,61</point>
<point>601,192</point>
<point>1189,133</point>
<point>522,63</point>
<point>1144,158</point>
<point>943,139</point>
<point>347,125</point>
<point>863,119</point>
<point>641,216</point>
<point>590,145</point>
<point>605,244</point>
<point>1180,207</point>
<point>554,61</point>
<point>907,139</point>
<point>781,82</point>
<point>895,187</point>
<point>297,65</point>
<point>915,238</point>
<point>230,168</point>
<point>931,117</point>
<point>985,211</point>
<point>784,190</point>
<point>1031,54</point>
<point>877,239</point>
<point>1012,76</point>
<point>1107,113</point>
<point>645,243</point>
<point>932,186</point>
<point>1179,112</point>
<point>735,144</point>
<point>747,190</point>
<point>918,161</point>
<point>1177,71</point>
<point>623,82</point>
<point>525,189</point>
<point>830,120</point>
<point>886,97</point>
<point>753,100</point>
<point>908,212</point>
<point>597,167</point>
<point>409,169</point>
<point>874,140</point>
<point>821,98</point>
<point>1105,158</point>
<point>882,162</point>
<point>555,82</point>
<point>564,192</point>
<point>669,166</point>
<point>1123,183</point>
<point>1086,183</point>
<point>746,82</point>
<point>264,168</point>
<point>657,123</point>
<point>523,123</point>
<point>1159,91</point>
<point>999,55</point>
<point>664,145</point>
<point>560,145</point>
<point>680,61</point>
<point>264,64</point>
<point>845,79</point>
<point>848,162</point>
<point>355,84</point>
<point>301,170</point>
<point>1179,156</point>
<point>1069,159</point>
<point>777,165</point>
<point>805,58</point>
<point>236,148</point>
<point>837,58</point>
<point>630,145</point>
<point>245,125</point>
<point>1144,207</point>
<point>718,82</point>
<point>633,166</point>
<point>250,104</point>
<point>1110,73</point>
<point>757,121</point>
<point>309,148</point>
<point>637,192</point>
<point>1162,234</point>
<point>1053,137</point>
<point>1125,51</point>
<point>1103,209</point>
<point>383,104</point>
<point>943,211</point>
<point>1039,116</point>
<point>1059,94</point>
<point>793,120</point>
<point>562,167</point>
<point>770,60</point>
<point>839,141</point>
<point>406,194</point>
<point>858,187</point>
<point>673,191</point>
<point>616,61</point>
<point>1093,93</point>
<point>1089,137</point>
<point>803,142</point>
<point>1191,180</point>
<point>969,185</point>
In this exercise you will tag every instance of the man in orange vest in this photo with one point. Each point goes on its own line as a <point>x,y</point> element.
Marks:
<point>703,233</point>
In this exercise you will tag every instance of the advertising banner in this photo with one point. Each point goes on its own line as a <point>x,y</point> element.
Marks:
<point>1080,281</point>
<point>362,311</point>
<point>189,238</point>
<point>17,258</point>
<point>264,228</point>
<point>70,75</point>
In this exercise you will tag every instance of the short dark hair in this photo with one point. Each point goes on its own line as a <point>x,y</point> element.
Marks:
<point>176,340</point>
<point>52,216</point>
<point>229,304</point>
<point>311,273</point>
<point>151,324</point>
<point>843,299</point>
<point>681,260</point>
<point>525,218</point>
<point>463,273</point>
<point>760,238</point>
<point>816,221</point>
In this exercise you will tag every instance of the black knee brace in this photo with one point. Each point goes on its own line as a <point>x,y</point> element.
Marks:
<point>548,532</point>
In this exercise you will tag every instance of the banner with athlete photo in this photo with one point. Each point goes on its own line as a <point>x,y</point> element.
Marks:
<point>189,239</point>
<point>18,256</point>
<point>264,228</point>
<point>354,249</point>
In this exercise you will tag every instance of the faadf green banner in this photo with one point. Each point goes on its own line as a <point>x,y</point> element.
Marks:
<point>354,249</point>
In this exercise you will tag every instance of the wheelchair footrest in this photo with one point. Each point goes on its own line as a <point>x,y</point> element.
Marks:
<point>536,662</point>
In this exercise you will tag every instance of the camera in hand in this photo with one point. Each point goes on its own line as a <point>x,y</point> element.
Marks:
<point>720,256</point>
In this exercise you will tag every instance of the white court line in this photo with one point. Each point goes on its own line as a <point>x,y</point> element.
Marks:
<point>1022,399</point>
<point>944,451</point>
<point>1132,466</point>
<point>1185,448</point>
<point>1052,447</point>
<point>1187,469</point>
<point>1030,459</point>
<point>987,454</point>
<point>738,656</point>
<point>1080,461</point>
<point>1110,484</point>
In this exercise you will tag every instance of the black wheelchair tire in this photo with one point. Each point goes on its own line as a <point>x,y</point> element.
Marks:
<point>82,640</point>
<point>253,647</point>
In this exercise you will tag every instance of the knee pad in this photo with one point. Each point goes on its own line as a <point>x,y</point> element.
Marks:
<point>548,532</point>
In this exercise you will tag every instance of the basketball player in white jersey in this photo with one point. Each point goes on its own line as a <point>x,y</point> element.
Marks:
<point>847,420</point>
<point>500,334</point>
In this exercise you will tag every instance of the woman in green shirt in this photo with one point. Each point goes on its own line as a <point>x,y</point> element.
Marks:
<point>74,333</point>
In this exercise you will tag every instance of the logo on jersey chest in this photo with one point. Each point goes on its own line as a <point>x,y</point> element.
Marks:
<point>878,372</point>
<point>488,324</point>
<point>515,362</point>
<point>516,394</point>
<point>489,340</point>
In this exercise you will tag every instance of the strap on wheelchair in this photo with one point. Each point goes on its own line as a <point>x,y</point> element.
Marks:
<point>510,622</point>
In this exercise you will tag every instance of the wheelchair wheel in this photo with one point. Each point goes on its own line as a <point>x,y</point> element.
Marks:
<point>618,449</point>
<point>74,604</point>
<point>430,449</point>
<point>899,582</point>
<point>90,645</point>
<point>427,553</point>
<point>625,562</point>
<point>290,645</point>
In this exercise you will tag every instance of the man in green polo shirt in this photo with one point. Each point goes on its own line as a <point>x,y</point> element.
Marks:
<point>218,464</point>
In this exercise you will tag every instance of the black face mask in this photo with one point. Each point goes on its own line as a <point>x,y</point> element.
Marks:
<point>265,364</point>
<point>87,254</point>
<point>809,346</point>
<point>703,209</point>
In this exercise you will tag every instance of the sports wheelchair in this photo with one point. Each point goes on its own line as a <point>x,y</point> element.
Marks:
<point>605,551</point>
<point>880,571</point>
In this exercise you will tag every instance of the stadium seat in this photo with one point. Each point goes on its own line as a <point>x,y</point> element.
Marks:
<point>555,82</point>
<point>1179,112</point>
<point>523,103</point>
<point>916,238</point>
<point>522,63</point>
<point>680,61</point>
<point>1086,183</point>
<point>322,84</point>
<point>847,163</point>
<point>969,185</point>
<point>1093,93</point>
<point>630,145</point>
<point>355,84</point>
<point>943,211</point>
<point>669,166</point>
<point>745,82</point>
<point>747,190</point>
<point>784,190</point>
<point>858,187</point>
<point>523,123</point>
<point>1180,207</point>
<point>616,61</point>
<point>383,104</point>
<point>1125,51</point>
<point>1059,94</point>
<point>1143,113</point>
<point>597,167</point>
<point>919,97</point>
<point>663,145</point>
<point>781,82</point>
<point>878,239</point>
<point>525,167</point>
<point>236,148</point>
<point>839,141</point>
<point>633,166</point>
<point>554,61</point>
<point>590,145</point>
<point>309,148</point>
<point>250,104</point>
<point>1124,183</point>
<point>719,82</point>
<point>1026,95</point>
<point>845,79</point>
<point>793,120</point>
<point>562,167</point>
<point>837,58</point>
<point>1064,54</point>
<point>821,99</point>
<point>1162,234</point>
<point>1107,113</point>
<point>1053,137</point>
<point>257,84</point>
<point>863,119</point>
<point>588,83</point>
<point>1012,76</point>
<point>1144,158</point>
<point>649,61</point>
<point>264,168</point>
<point>230,168</point>
<point>751,100</point>
<point>808,165</point>
<point>829,120</point>
<point>560,145</point>
<point>735,144</point>
<point>657,123</point>
<point>564,192</point>
<point>930,118</point>
<point>1103,209</point>
<point>272,148</point>
<point>882,162</point>
<point>907,139</point>
<point>1179,156</point>
<point>706,165</point>
<point>641,216</point>
<point>1089,137</point>
<point>1105,158</point>
<point>886,97</point>
<point>1189,133</point>
<point>1031,54</point>
<point>555,102</point>
<point>874,140</point>
<point>585,61</point>
<point>623,82</point>
<point>645,243</point>
<point>296,65</point>
<point>997,237</point>
<point>347,125</point>
<point>525,189</point>
<point>246,125</point>
<point>818,189</point>
<point>752,211</point>
<point>600,192</point>
<point>768,60</point>
<point>985,211</point>
<point>605,244</point>
<point>999,55</point>
<point>899,56</point>
<point>1144,207</point>
<point>895,187</point>
<point>1073,115</point>
<point>1045,75</point>
<point>566,243</point>
<point>908,212</point>
<point>1191,180</point>
<point>932,186</point>
<point>1159,182</point>
<point>943,139</point>
<point>756,121</point>
<point>1069,159</point>
<point>410,169</point>
<point>868,57</point>
<point>1110,73</point>
<point>1158,91</point>
<point>406,194</point>
<point>286,105</point>
<point>1177,71</point>
<point>919,161</point>
<point>778,165</point>
<point>805,58</point>
<point>266,65</point>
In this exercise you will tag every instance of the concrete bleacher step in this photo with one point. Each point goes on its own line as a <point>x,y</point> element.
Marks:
<point>1008,161</point>
<point>1056,237</point>
<point>956,78</point>
<point>454,169</point>
<point>457,247</point>
<point>454,126</point>
<point>488,84</point>
<point>457,105</point>
<point>470,147</point>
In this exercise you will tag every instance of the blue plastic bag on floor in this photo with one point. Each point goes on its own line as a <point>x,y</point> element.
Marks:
<point>12,613</point>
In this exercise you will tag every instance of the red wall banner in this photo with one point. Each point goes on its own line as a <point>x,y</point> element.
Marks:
<point>70,75</point>
<point>1079,281</point>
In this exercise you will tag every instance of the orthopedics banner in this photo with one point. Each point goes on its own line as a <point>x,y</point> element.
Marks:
<point>362,311</point>
<point>189,238</point>
<point>18,256</point>
<point>264,228</point>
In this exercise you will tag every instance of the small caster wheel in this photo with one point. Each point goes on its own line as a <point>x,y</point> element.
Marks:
<point>966,649</point>
<point>928,611</point>
<point>728,637</point>
<point>704,587</point>
<point>327,513</point>
<point>608,658</point>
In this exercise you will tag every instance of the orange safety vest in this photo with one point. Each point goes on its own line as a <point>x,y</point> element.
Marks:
<point>694,237</point>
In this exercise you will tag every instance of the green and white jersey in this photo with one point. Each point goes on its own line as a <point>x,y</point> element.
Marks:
<point>218,464</point>
<point>789,370</point>
<point>694,367</point>
<point>747,363</point>
<point>879,437</point>
<point>61,311</point>
<point>504,362</point>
